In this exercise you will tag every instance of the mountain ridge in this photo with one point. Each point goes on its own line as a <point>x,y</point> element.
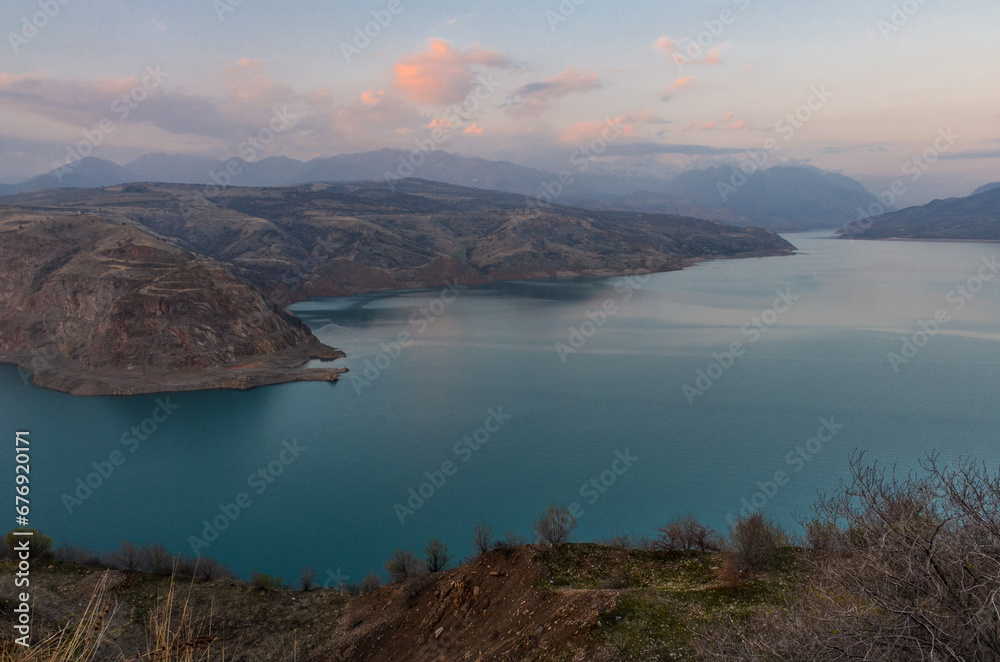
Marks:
<point>782,198</point>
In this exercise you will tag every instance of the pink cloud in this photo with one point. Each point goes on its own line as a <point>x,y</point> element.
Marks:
<point>667,45</point>
<point>684,81</point>
<point>474,130</point>
<point>244,64</point>
<point>443,75</point>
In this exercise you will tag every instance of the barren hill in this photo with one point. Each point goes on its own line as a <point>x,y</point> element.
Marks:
<point>90,307</point>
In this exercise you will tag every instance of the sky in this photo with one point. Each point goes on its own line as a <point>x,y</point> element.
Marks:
<point>880,90</point>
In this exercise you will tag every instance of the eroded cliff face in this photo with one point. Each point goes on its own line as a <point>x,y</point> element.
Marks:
<point>90,306</point>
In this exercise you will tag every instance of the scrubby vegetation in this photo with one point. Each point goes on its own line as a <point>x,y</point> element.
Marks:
<point>890,568</point>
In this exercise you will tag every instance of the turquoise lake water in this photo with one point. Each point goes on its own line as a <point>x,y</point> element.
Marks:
<point>569,417</point>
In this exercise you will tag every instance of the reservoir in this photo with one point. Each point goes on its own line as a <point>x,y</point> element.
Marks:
<point>730,385</point>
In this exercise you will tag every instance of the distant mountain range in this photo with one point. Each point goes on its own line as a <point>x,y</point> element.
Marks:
<point>988,187</point>
<point>975,218</point>
<point>783,198</point>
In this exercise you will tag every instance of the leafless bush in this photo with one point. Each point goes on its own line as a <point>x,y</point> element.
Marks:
<point>436,556</point>
<point>753,540</point>
<point>369,584</point>
<point>127,557</point>
<point>208,569</point>
<point>78,555</point>
<point>915,574</point>
<point>555,525</point>
<point>156,559</point>
<point>482,538</point>
<point>685,534</point>
<point>403,565</point>
<point>307,579</point>
<point>510,540</point>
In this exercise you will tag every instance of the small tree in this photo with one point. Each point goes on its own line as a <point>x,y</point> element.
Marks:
<point>482,538</point>
<point>402,565</point>
<point>436,556</point>
<point>555,526</point>
<point>39,544</point>
<point>307,579</point>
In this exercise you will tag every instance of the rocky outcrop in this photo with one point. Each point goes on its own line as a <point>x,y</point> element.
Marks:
<point>90,306</point>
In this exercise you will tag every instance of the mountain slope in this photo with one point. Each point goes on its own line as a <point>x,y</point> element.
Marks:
<point>92,307</point>
<point>86,173</point>
<point>335,239</point>
<point>975,218</point>
<point>780,198</point>
<point>987,187</point>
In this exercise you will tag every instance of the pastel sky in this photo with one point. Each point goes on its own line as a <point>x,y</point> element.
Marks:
<point>554,74</point>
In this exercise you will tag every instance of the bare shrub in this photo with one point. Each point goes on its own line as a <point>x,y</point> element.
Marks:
<point>403,565</point>
<point>369,584</point>
<point>436,556</point>
<point>685,534</point>
<point>510,540</point>
<point>482,538</point>
<point>914,576</point>
<point>127,557</point>
<point>307,579</point>
<point>156,559</point>
<point>555,526</point>
<point>753,540</point>
<point>266,582</point>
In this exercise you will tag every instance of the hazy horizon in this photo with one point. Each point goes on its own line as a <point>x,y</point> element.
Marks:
<point>688,85</point>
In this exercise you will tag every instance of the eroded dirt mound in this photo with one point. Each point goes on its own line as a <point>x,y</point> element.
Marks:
<point>496,608</point>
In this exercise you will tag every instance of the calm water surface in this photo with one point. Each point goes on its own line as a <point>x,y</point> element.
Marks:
<point>360,446</point>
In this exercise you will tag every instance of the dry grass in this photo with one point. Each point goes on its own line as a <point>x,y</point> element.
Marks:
<point>173,634</point>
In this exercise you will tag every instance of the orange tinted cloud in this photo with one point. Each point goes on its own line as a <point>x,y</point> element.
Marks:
<point>684,81</point>
<point>667,45</point>
<point>244,64</point>
<point>443,75</point>
<point>475,130</point>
